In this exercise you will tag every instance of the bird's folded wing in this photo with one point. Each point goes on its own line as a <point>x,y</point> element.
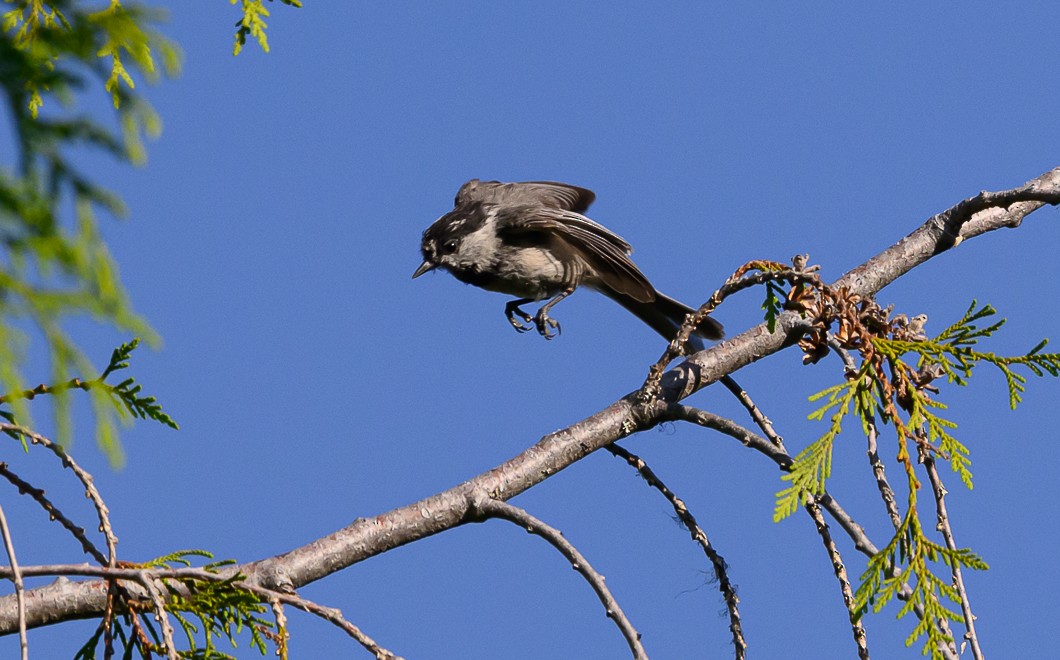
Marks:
<point>550,194</point>
<point>603,250</point>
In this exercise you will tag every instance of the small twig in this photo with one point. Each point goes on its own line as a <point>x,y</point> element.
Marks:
<point>865,546</point>
<point>756,413</point>
<point>335,617</point>
<point>776,447</point>
<point>841,574</point>
<point>161,614</point>
<point>72,384</point>
<point>20,591</point>
<point>862,542</point>
<point>86,480</point>
<point>891,503</point>
<point>750,439</point>
<point>728,591</point>
<point>850,368</point>
<point>53,512</point>
<point>114,590</point>
<point>939,492</point>
<point>878,470</point>
<point>491,508</point>
<point>738,281</point>
<point>108,622</point>
<point>281,627</point>
<point>680,412</point>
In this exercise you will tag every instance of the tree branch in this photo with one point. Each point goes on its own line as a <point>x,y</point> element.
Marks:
<point>83,476</point>
<point>841,574</point>
<point>728,591</point>
<point>490,508</point>
<point>16,578</point>
<point>53,512</point>
<point>159,602</point>
<point>939,492</point>
<point>367,537</point>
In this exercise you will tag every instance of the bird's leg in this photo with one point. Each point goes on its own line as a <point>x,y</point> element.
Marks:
<point>543,321</point>
<point>511,310</point>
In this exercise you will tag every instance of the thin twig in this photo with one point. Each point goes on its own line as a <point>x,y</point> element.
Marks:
<point>161,614</point>
<point>20,591</point>
<point>744,278</point>
<point>86,480</point>
<point>855,531</point>
<point>281,627</point>
<point>841,574</point>
<point>878,470</point>
<point>334,616</point>
<point>108,621</point>
<point>29,395</point>
<point>53,512</point>
<point>939,492</point>
<point>862,542</point>
<point>849,367</point>
<point>728,591</point>
<point>891,503</point>
<point>102,512</point>
<point>491,508</point>
<point>681,412</point>
<point>756,413</point>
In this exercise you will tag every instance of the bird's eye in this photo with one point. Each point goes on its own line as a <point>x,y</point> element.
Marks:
<point>449,247</point>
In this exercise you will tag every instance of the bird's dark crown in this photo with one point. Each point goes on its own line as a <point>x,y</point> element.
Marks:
<point>443,237</point>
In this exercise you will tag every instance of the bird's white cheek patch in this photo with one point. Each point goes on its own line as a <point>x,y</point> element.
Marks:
<point>480,246</point>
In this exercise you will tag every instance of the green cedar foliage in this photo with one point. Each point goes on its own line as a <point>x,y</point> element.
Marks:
<point>889,386</point>
<point>54,264</point>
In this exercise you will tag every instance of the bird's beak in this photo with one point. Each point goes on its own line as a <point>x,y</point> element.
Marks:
<point>424,267</point>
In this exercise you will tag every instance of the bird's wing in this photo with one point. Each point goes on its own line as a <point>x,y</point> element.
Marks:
<point>603,250</point>
<point>549,194</point>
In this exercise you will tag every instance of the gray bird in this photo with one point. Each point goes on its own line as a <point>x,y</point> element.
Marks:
<point>531,240</point>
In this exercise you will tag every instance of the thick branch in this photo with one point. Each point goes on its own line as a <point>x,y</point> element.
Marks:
<point>367,537</point>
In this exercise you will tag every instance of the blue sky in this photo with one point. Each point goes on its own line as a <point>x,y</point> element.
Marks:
<point>275,227</point>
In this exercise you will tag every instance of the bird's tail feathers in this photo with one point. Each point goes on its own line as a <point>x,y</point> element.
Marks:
<point>665,315</point>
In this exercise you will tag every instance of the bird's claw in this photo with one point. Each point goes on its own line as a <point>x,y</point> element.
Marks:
<point>511,311</point>
<point>544,322</point>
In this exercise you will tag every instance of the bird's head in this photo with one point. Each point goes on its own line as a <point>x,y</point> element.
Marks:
<point>442,242</point>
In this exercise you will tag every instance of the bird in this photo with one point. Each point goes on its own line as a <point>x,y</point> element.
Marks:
<point>531,239</point>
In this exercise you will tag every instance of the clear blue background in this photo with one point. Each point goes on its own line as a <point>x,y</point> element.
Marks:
<point>277,224</point>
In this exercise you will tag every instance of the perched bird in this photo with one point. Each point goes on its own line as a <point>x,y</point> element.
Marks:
<point>531,240</point>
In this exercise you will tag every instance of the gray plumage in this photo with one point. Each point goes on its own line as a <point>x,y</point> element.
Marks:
<point>530,239</point>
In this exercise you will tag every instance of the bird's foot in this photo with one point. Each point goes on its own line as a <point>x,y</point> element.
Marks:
<point>545,323</point>
<point>511,310</point>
